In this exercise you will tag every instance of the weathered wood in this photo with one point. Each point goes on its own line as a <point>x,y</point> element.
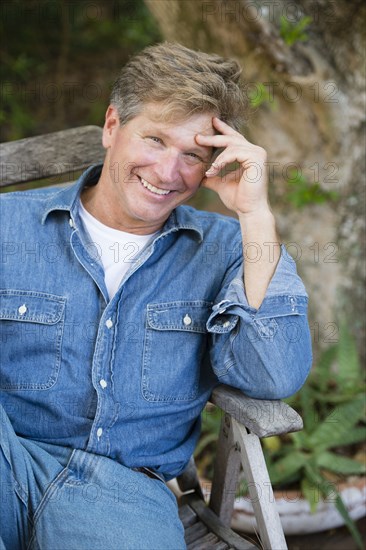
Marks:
<point>226,473</point>
<point>39,157</point>
<point>188,480</point>
<point>204,543</point>
<point>260,489</point>
<point>215,526</point>
<point>187,516</point>
<point>220,546</point>
<point>196,531</point>
<point>261,416</point>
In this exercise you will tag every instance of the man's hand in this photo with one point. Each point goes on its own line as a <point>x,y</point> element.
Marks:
<point>244,190</point>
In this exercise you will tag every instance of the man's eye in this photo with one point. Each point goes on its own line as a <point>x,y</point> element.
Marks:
<point>154,139</point>
<point>193,157</point>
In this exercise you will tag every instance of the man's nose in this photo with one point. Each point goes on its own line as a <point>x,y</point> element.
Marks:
<point>167,168</point>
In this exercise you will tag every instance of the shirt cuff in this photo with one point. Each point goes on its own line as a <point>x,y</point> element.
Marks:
<point>285,295</point>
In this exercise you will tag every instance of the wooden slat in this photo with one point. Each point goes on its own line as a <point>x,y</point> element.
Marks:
<point>260,489</point>
<point>215,526</point>
<point>220,546</point>
<point>196,531</point>
<point>50,155</point>
<point>187,516</point>
<point>226,473</point>
<point>205,543</point>
<point>263,417</point>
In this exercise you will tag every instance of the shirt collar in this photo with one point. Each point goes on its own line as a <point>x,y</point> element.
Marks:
<point>182,218</point>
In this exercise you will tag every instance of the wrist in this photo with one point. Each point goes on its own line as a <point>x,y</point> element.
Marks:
<point>257,217</point>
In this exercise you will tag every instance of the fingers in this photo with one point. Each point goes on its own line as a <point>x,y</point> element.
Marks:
<point>219,140</point>
<point>223,127</point>
<point>226,137</point>
<point>246,156</point>
<point>235,148</point>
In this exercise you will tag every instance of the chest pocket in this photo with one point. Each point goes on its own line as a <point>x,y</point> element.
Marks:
<point>31,328</point>
<point>174,350</point>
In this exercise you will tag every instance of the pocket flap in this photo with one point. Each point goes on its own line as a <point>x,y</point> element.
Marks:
<point>189,315</point>
<point>32,307</point>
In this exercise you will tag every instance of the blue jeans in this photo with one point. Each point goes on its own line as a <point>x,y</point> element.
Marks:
<point>56,498</point>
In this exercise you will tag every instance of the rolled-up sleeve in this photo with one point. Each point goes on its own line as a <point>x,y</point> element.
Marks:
<point>265,352</point>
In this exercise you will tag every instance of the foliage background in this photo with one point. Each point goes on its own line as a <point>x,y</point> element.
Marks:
<point>59,60</point>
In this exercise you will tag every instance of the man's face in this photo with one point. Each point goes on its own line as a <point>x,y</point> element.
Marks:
<point>151,167</point>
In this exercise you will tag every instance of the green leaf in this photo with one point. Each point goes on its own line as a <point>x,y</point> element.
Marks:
<point>285,467</point>
<point>302,192</point>
<point>356,435</point>
<point>294,32</point>
<point>335,398</point>
<point>349,369</point>
<point>259,95</point>
<point>340,421</point>
<point>308,408</point>
<point>321,372</point>
<point>352,527</point>
<point>327,488</point>
<point>310,491</point>
<point>300,439</point>
<point>340,464</point>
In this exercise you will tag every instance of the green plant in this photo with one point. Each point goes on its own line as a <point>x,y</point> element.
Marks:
<point>294,32</point>
<point>261,95</point>
<point>205,449</point>
<point>327,450</point>
<point>301,192</point>
<point>332,406</point>
<point>54,73</point>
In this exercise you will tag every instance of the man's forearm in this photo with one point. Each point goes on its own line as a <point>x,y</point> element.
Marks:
<point>261,250</point>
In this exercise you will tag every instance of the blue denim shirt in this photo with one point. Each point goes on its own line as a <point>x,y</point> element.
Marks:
<point>128,377</point>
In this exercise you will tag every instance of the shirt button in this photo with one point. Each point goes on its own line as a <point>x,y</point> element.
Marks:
<point>226,324</point>
<point>109,323</point>
<point>22,309</point>
<point>71,223</point>
<point>103,383</point>
<point>99,432</point>
<point>187,320</point>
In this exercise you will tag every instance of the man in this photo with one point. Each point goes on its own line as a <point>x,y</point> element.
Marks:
<point>112,348</point>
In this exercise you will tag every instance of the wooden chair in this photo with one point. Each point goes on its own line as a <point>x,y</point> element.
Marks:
<point>244,420</point>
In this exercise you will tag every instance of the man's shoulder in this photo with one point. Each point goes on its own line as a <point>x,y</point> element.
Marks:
<point>29,207</point>
<point>39,194</point>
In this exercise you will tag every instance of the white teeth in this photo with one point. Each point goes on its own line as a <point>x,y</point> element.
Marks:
<point>152,188</point>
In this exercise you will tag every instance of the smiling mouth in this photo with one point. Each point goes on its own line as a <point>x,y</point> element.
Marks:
<point>154,189</point>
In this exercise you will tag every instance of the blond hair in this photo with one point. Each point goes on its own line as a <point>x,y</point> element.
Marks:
<point>183,81</point>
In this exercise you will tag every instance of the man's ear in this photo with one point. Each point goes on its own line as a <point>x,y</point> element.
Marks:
<point>110,127</point>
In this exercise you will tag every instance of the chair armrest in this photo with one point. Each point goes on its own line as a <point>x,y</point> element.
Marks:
<point>34,158</point>
<point>263,417</point>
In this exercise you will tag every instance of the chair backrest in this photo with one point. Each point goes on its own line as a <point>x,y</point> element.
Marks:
<point>50,156</point>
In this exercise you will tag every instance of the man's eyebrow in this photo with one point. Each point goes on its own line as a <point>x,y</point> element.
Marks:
<point>196,148</point>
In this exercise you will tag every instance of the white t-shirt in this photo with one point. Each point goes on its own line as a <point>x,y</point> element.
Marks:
<point>115,249</point>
